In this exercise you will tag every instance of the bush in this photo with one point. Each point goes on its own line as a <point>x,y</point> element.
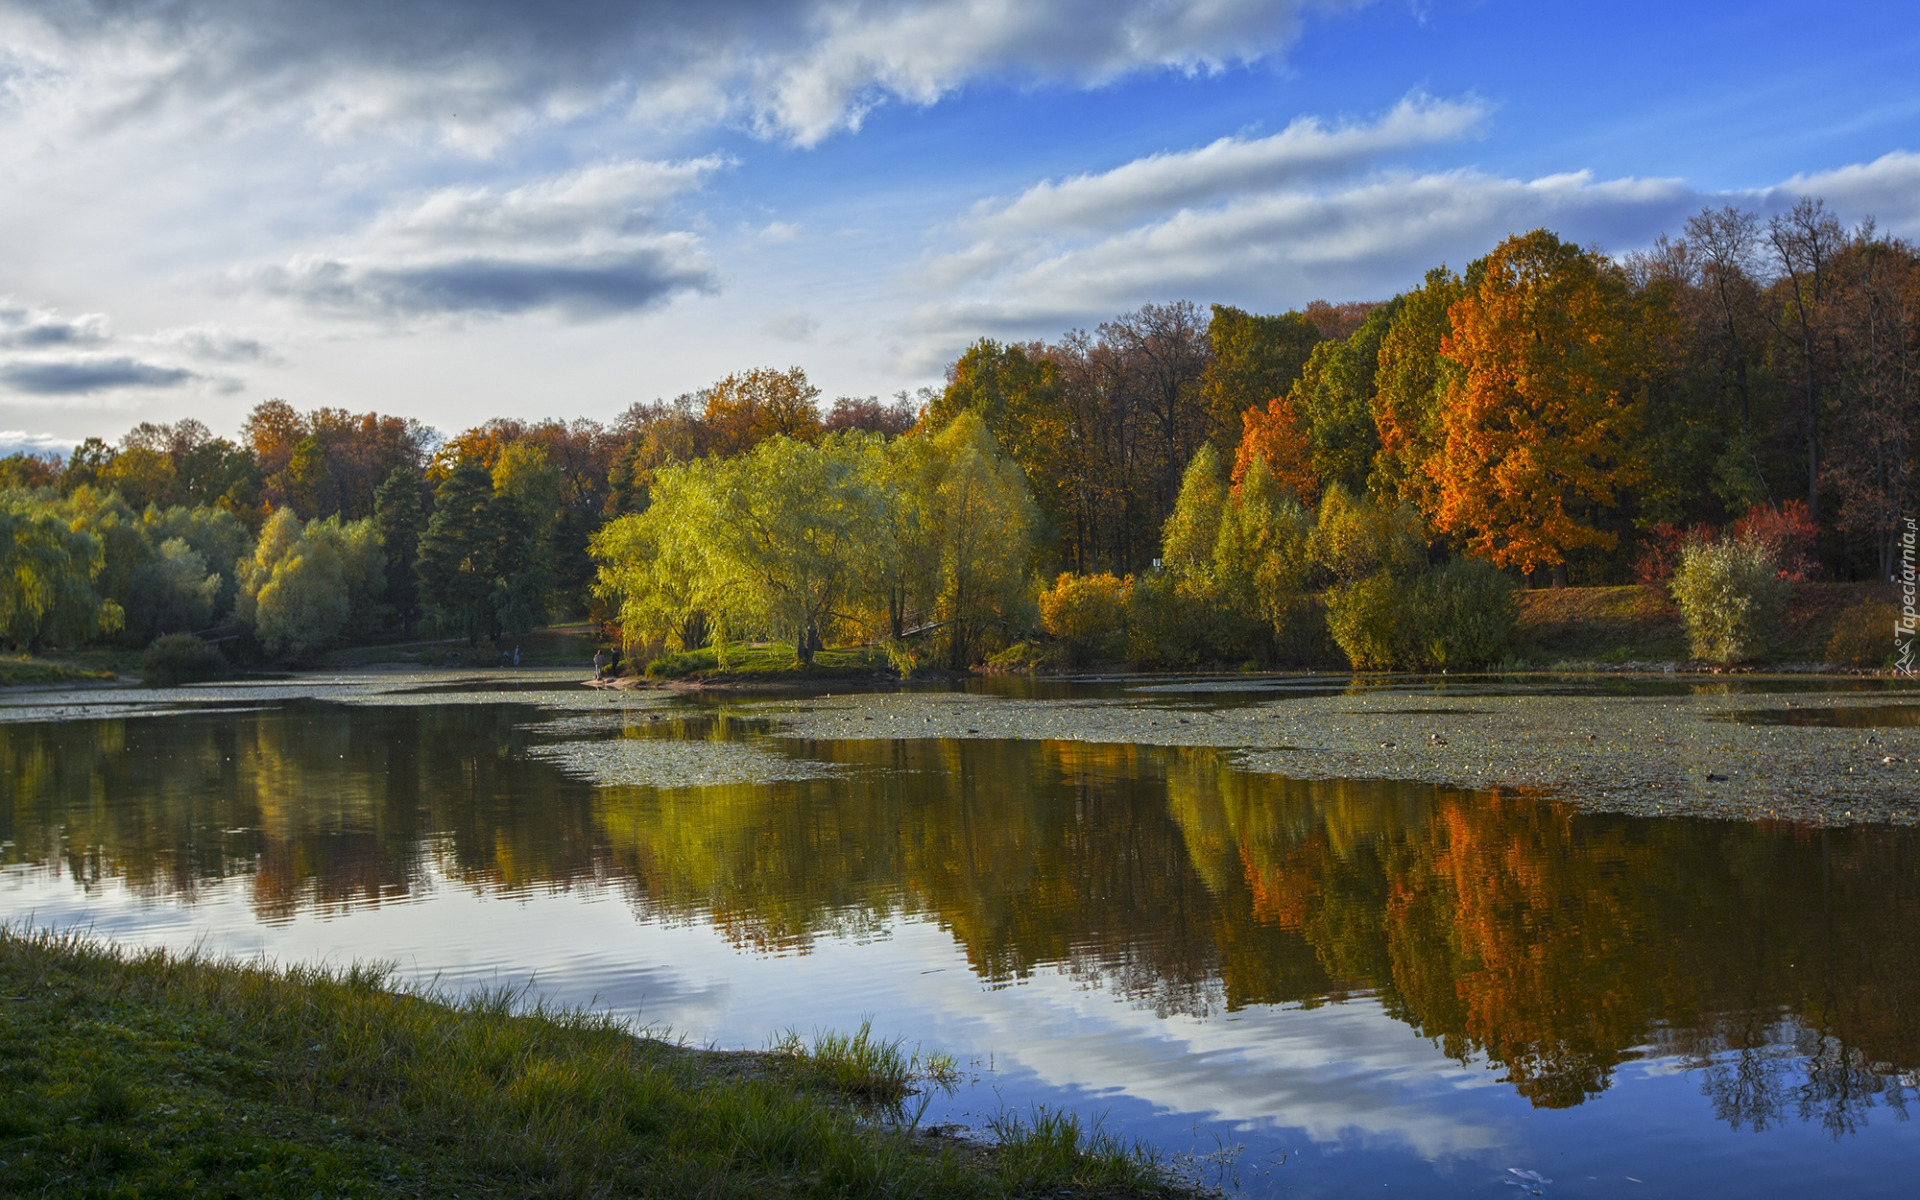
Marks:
<point>1462,614</point>
<point>1863,635</point>
<point>1365,618</point>
<point>181,658</point>
<point>1164,628</point>
<point>1731,595</point>
<point>1088,614</point>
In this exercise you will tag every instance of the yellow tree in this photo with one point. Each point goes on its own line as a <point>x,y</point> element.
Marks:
<point>1410,383</point>
<point>1547,396</point>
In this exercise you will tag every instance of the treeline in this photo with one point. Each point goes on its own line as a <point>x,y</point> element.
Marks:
<point>317,529</point>
<point>1214,485</point>
<point>1548,409</point>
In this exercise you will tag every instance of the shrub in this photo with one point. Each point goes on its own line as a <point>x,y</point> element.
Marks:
<point>180,658</point>
<point>1364,617</point>
<point>1087,613</point>
<point>1731,595</point>
<point>1863,635</point>
<point>1164,628</point>
<point>1787,532</point>
<point>1660,551</point>
<point>1462,614</point>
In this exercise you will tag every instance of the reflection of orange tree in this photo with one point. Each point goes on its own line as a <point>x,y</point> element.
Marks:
<point>1556,944</point>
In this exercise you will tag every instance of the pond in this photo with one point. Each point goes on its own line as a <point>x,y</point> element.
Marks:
<point>1297,986</point>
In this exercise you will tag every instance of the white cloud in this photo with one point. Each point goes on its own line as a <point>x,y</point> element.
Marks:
<point>580,245</point>
<point>1275,222</point>
<point>479,71</point>
<point>1887,189</point>
<point>1305,149</point>
<point>19,441</point>
<point>861,54</point>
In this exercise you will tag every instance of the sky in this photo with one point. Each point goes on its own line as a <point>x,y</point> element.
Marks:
<point>461,209</point>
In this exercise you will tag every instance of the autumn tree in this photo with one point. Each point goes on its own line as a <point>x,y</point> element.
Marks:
<point>746,408</point>
<point>1547,396</point>
<point>1804,241</point>
<point>1875,405</point>
<point>1278,437</point>
<point>1411,381</point>
<point>1254,360</point>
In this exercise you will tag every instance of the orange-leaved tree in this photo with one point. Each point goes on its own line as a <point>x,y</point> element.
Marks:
<point>1279,435</point>
<point>1538,417</point>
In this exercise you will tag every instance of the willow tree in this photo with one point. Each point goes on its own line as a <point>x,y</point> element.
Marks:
<point>48,570</point>
<point>985,521</point>
<point>777,541</point>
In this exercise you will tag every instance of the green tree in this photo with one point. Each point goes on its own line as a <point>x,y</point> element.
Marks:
<point>48,570</point>
<point>1411,378</point>
<point>458,557</point>
<point>311,586</point>
<point>1255,358</point>
<point>398,515</point>
<point>986,521</point>
<point>1335,395</point>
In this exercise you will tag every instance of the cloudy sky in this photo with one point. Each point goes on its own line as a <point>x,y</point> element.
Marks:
<point>454,209</point>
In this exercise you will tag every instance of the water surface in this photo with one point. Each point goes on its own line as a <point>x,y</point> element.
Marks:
<point>1315,988</point>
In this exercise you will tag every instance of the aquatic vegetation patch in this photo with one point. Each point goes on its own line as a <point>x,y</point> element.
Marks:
<point>673,763</point>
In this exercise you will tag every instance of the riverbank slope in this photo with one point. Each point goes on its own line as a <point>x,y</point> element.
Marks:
<point>161,1075</point>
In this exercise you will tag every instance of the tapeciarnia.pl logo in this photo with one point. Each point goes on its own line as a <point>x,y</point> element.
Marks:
<point>1906,622</point>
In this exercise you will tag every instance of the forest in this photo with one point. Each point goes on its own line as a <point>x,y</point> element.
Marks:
<point>1361,484</point>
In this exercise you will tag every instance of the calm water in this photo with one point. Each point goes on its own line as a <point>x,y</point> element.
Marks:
<point>1317,988</point>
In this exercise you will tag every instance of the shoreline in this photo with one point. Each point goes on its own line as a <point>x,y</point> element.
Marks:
<point>179,1073</point>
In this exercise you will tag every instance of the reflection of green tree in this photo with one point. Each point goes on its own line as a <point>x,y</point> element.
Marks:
<point>1785,963</point>
<point>321,806</point>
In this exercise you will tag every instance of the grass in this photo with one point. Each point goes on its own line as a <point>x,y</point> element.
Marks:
<point>862,1065</point>
<point>165,1075</point>
<point>19,669</point>
<point>771,662</point>
<point>1600,624</point>
<point>1642,624</point>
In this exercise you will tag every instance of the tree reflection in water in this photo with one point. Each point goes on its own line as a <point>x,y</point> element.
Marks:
<point>1782,964</point>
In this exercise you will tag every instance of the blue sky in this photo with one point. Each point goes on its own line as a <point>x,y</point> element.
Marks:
<point>455,210</point>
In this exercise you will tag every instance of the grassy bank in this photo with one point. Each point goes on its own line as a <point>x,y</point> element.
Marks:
<point>20,669</point>
<point>1642,624</point>
<point>160,1075</point>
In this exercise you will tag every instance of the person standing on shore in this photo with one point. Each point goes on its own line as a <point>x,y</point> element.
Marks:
<point>599,664</point>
